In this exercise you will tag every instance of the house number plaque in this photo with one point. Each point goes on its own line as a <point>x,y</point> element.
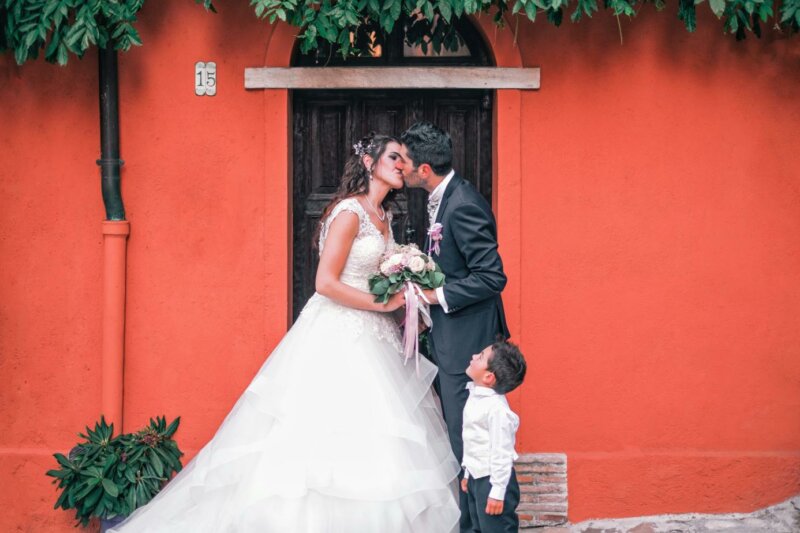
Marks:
<point>205,78</point>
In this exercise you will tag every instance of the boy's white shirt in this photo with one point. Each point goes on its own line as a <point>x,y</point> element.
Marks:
<point>489,431</point>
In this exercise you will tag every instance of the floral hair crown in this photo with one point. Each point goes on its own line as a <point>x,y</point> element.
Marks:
<point>360,150</point>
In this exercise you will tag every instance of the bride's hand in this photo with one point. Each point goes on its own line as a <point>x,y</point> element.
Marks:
<point>422,325</point>
<point>396,301</point>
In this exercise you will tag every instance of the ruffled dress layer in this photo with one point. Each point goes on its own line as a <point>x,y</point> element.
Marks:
<point>334,434</point>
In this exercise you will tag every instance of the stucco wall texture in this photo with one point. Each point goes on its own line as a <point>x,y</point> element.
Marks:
<point>648,198</point>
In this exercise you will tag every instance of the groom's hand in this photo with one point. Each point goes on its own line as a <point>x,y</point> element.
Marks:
<point>430,294</point>
<point>464,485</point>
<point>494,507</point>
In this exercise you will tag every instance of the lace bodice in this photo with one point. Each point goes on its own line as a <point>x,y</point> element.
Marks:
<point>368,246</point>
<point>363,261</point>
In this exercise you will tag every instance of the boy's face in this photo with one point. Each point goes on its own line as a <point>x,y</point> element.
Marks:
<point>478,369</point>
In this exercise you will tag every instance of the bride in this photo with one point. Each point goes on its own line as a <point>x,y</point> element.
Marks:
<point>334,434</point>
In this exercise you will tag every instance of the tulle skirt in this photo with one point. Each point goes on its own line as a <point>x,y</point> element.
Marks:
<point>333,435</point>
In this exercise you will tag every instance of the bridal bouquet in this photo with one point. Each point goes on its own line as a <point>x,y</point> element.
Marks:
<point>406,268</point>
<point>403,264</point>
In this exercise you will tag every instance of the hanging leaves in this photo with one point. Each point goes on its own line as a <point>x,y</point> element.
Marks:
<point>64,27</point>
<point>59,28</point>
<point>342,24</point>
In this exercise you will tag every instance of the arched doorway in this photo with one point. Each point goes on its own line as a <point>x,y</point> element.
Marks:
<point>327,122</point>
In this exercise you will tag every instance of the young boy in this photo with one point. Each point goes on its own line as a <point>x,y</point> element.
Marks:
<point>489,430</point>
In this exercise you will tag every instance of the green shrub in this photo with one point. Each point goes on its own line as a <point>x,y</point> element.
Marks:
<point>107,476</point>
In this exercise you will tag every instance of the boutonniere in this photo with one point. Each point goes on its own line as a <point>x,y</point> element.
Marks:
<point>435,235</point>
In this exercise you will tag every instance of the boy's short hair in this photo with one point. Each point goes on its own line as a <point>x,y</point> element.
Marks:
<point>427,143</point>
<point>507,365</point>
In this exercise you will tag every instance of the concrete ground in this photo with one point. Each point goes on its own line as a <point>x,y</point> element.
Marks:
<point>781,518</point>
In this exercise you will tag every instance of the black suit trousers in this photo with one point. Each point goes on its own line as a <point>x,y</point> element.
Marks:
<point>478,495</point>
<point>453,394</point>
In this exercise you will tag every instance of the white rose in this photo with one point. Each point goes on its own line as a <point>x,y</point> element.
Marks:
<point>417,264</point>
<point>390,266</point>
<point>431,266</point>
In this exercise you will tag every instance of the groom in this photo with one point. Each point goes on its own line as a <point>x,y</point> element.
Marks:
<point>468,312</point>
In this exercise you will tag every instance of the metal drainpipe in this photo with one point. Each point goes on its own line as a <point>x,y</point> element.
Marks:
<point>115,236</point>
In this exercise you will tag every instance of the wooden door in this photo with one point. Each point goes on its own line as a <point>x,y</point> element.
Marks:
<point>327,123</point>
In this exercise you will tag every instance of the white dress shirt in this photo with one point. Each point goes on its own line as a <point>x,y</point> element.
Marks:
<point>437,194</point>
<point>489,431</point>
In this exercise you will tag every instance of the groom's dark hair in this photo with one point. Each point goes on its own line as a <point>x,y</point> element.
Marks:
<point>426,143</point>
<point>507,365</point>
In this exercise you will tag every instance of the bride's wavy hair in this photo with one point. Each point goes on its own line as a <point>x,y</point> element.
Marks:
<point>356,176</point>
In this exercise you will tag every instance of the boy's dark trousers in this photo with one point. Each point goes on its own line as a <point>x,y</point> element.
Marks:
<point>478,495</point>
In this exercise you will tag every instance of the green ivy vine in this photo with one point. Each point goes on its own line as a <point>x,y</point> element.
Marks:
<point>351,27</point>
<point>63,27</point>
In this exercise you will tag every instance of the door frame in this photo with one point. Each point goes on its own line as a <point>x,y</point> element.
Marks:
<point>506,175</point>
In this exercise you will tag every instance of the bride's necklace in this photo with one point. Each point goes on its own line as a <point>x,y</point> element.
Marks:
<point>380,217</point>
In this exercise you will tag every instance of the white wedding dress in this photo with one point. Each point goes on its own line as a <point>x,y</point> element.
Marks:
<point>333,435</point>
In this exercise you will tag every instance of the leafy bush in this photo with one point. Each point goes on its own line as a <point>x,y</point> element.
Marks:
<point>107,476</point>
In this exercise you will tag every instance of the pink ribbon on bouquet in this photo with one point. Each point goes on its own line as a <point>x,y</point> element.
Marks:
<point>413,310</point>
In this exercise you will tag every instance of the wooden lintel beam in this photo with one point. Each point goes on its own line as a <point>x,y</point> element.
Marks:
<point>391,78</point>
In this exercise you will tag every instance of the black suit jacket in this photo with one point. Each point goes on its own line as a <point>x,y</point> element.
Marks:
<point>474,279</point>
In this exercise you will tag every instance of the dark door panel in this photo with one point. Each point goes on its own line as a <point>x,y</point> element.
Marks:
<point>328,123</point>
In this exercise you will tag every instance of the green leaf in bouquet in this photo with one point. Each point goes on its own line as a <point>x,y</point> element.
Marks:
<point>437,278</point>
<point>380,286</point>
<point>382,298</point>
<point>426,284</point>
<point>395,287</point>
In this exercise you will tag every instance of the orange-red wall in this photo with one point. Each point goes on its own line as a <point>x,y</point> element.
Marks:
<point>649,209</point>
<point>660,266</point>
